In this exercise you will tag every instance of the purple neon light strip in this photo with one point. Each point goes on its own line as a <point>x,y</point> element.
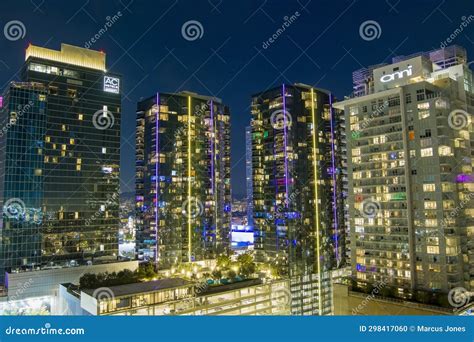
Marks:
<point>285,144</point>
<point>213,180</point>
<point>334,195</point>
<point>157,186</point>
<point>212,149</point>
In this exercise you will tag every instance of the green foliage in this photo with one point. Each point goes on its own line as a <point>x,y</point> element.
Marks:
<point>223,261</point>
<point>245,259</point>
<point>277,271</point>
<point>217,274</point>
<point>92,281</point>
<point>231,275</point>
<point>246,265</point>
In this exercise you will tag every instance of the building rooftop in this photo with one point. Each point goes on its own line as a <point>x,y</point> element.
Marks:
<point>289,85</point>
<point>184,93</point>
<point>135,288</point>
<point>69,54</point>
<point>229,287</point>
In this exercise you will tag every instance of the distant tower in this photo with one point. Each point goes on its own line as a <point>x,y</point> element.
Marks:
<point>248,173</point>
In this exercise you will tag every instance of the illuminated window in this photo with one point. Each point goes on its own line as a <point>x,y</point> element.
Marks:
<point>427,152</point>
<point>47,139</point>
<point>429,187</point>
<point>424,105</point>
<point>441,104</point>
<point>354,110</point>
<point>80,116</point>
<point>430,205</point>
<point>448,204</point>
<point>104,150</point>
<point>432,249</point>
<point>445,151</point>
<point>451,251</point>
<point>423,114</point>
<point>71,141</point>
<point>72,93</point>
<point>38,172</point>
<point>447,187</point>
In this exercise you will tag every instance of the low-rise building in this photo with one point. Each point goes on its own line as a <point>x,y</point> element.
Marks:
<point>177,296</point>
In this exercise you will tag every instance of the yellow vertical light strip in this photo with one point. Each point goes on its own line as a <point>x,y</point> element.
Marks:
<point>189,180</point>
<point>316,197</point>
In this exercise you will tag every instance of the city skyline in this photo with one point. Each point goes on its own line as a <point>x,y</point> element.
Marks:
<point>346,147</point>
<point>244,71</point>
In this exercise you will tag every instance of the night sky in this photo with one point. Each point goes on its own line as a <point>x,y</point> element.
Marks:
<point>321,47</point>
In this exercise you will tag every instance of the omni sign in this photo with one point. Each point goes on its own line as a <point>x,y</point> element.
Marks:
<point>111,84</point>
<point>396,75</point>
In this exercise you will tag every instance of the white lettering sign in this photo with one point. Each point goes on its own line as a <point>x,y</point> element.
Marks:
<point>111,84</point>
<point>396,74</point>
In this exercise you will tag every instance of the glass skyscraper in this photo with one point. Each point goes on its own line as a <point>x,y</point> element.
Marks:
<point>298,192</point>
<point>59,161</point>
<point>182,178</point>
